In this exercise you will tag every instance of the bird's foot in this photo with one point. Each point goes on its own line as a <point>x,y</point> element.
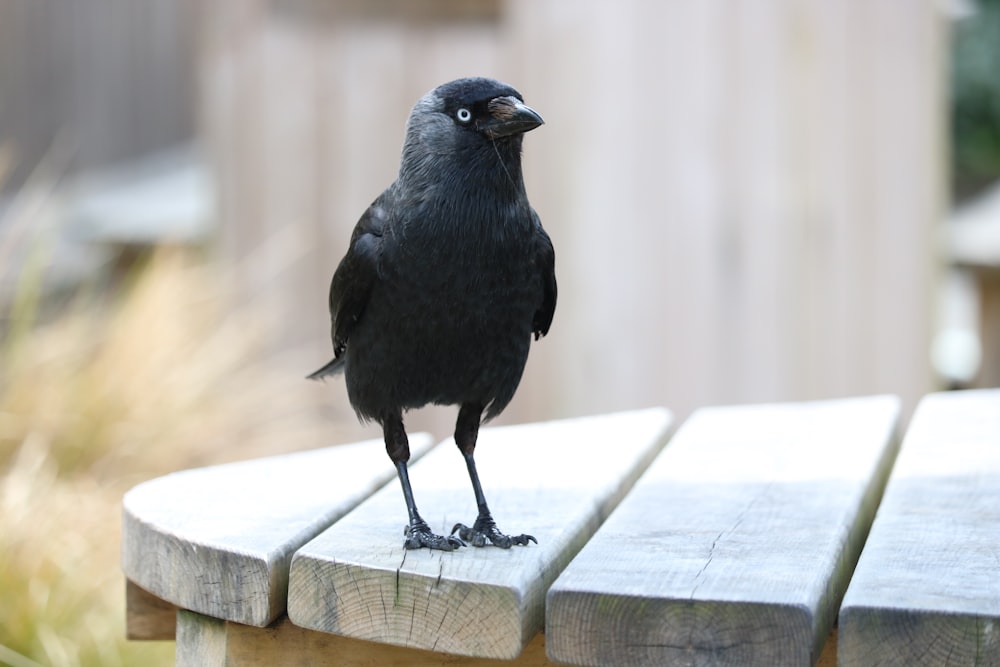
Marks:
<point>418,535</point>
<point>484,531</point>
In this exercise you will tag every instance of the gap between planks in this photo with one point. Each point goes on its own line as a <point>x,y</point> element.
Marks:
<point>556,480</point>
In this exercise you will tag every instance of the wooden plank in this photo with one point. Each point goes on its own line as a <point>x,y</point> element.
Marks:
<point>927,587</point>
<point>147,616</point>
<point>219,540</point>
<point>735,547</point>
<point>555,480</point>
<point>209,642</point>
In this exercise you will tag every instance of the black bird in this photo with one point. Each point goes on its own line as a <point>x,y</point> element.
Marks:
<point>448,275</point>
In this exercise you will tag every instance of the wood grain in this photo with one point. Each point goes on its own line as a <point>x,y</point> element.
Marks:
<point>556,480</point>
<point>927,587</point>
<point>736,546</point>
<point>219,540</point>
<point>201,640</point>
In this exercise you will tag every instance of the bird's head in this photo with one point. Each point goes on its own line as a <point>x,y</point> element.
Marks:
<point>465,118</point>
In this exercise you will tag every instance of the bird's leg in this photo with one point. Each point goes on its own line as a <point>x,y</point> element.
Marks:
<point>418,533</point>
<point>484,531</point>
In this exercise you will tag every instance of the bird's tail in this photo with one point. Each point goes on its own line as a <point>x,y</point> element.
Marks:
<point>336,365</point>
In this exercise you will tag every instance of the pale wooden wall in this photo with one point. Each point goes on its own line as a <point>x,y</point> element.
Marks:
<point>743,196</point>
<point>746,196</point>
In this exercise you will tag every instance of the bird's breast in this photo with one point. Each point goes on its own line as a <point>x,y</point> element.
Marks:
<point>471,296</point>
<point>449,321</point>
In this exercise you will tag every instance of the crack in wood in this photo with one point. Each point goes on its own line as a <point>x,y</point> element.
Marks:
<point>724,533</point>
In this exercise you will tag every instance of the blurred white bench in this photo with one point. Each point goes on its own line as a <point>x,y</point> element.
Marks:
<point>735,546</point>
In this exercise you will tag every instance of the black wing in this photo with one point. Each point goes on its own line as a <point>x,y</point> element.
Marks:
<point>353,282</point>
<point>545,261</point>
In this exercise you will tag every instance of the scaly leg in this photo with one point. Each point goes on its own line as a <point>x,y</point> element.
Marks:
<point>484,531</point>
<point>418,533</point>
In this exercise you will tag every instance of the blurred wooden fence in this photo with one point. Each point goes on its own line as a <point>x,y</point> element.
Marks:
<point>111,79</point>
<point>766,181</point>
<point>743,197</point>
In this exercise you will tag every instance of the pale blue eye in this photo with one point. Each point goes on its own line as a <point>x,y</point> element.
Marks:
<point>463,115</point>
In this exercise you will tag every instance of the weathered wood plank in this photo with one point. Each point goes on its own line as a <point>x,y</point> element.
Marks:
<point>147,616</point>
<point>736,545</point>
<point>927,587</point>
<point>556,480</point>
<point>208,642</point>
<point>219,540</point>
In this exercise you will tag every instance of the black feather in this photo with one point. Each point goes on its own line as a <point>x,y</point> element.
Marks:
<point>448,276</point>
<point>449,272</point>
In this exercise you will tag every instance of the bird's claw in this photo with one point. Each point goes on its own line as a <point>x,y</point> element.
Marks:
<point>419,535</point>
<point>484,531</point>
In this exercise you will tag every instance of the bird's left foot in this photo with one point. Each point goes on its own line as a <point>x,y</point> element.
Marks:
<point>484,531</point>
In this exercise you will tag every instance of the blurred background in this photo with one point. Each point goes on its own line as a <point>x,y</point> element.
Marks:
<point>758,201</point>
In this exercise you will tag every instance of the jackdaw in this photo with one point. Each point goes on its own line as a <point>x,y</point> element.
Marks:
<point>447,277</point>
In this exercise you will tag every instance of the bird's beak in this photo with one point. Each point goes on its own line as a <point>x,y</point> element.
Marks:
<point>509,116</point>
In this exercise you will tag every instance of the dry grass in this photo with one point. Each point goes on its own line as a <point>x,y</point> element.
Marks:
<point>109,393</point>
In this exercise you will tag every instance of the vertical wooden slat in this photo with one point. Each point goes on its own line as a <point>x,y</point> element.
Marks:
<point>761,223</point>
<point>201,640</point>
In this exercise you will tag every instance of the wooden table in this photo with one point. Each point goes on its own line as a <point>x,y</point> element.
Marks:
<point>734,545</point>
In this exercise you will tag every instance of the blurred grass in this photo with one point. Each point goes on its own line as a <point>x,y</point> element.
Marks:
<point>106,392</point>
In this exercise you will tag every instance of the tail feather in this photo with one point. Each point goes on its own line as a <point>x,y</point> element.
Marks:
<point>336,365</point>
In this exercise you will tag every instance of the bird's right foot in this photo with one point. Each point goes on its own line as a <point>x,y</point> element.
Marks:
<point>418,535</point>
<point>485,531</point>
